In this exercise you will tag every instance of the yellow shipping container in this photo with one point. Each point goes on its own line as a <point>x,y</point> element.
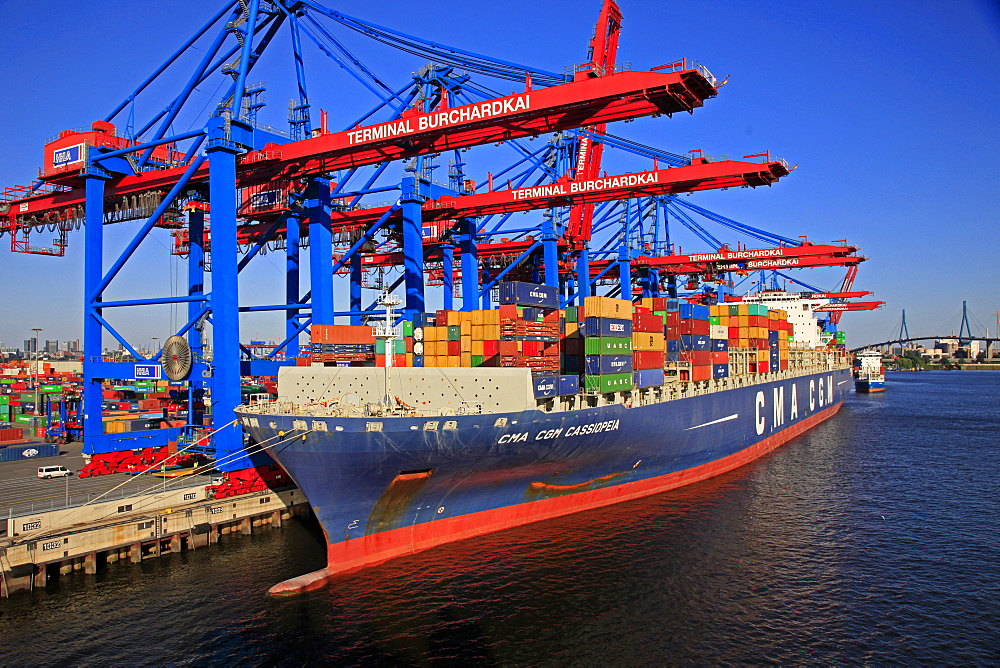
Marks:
<point>743,320</point>
<point>744,311</point>
<point>716,310</point>
<point>493,330</point>
<point>466,343</point>
<point>763,355</point>
<point>477,347</point>
<point>647,341</point>
<point>466,327</point>
<point>478,331</point>
<point>466,359</point>
<point>477,318</point>
<point>456,360</point>
<point>606,307</point>
<point>572,330</point>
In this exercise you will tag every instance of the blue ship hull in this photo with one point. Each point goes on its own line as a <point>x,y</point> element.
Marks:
<point>391,486</point>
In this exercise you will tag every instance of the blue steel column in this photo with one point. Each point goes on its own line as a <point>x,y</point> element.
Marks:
<point>224,298</point>
<point>583,275</point>
<point>624,273</point>
<point>448,269</point>
<point>470,263</point>
<point>292,284</point>
<point>413,248</point>
<point>196,286</point>
<point>93,273</point>
<point>320,251</point>
<point>356,283</point>
<point>550,250</point>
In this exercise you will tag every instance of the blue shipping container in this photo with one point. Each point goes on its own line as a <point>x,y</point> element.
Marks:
<point>700,312</point>
<point>20,452</point>
<point>606,327</point>
<point>674,357</point>
<point>673,345</point>
<point>647,377</point>
<point>596,365</point>
<point>573,363</point>
<point>720,345</point>
<point>545,386</point>
<point>687,310</point>
<point>529,294</point>
<point>673,304</point>
<point>695,342</point>
<point>720,371</point>
<point>568,385</point>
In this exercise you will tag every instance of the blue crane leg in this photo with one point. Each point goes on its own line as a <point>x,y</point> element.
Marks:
<point>356,282</point>
<point>470,264</point>
<point>225,311</point>
<point>292,252</point>
<point>196,287</point>
<point>93,274</point>
<point>320,252</point>
<point>448,289</point>
<point>413,249</point>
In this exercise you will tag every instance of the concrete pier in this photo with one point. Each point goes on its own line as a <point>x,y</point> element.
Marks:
<point>60,542</point>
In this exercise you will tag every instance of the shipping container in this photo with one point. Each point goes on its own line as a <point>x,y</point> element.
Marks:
<point>568,385</point>
<point>604,345</point>
<point>545,386</point>
<point>695,342</point>
<point>647,377</point>
<point>605,364</point>
<point>529,294</point>
<point>35,451</point>
<point>615,382</point>
<point>614,327</point>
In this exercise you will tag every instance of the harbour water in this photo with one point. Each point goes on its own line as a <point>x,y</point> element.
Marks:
<point>873,538</point>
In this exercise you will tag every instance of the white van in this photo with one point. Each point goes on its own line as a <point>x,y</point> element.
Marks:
<point>52,471</point>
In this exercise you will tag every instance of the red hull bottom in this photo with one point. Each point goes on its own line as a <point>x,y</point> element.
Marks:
<point>359,553</point>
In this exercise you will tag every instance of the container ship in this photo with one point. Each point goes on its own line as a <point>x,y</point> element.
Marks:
<point>869,373</point>
<point>529,412</point>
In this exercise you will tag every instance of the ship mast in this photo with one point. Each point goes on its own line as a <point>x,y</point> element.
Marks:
<point>389,332</point>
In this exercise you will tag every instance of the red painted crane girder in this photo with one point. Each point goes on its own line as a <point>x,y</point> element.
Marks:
<point>815,295</point>
<point>750,260</point>
<point>613,97</point>
<point>700,175</point>
<point>850,306</point>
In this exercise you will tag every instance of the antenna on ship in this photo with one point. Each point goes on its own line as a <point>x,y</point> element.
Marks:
<point>388,331</point>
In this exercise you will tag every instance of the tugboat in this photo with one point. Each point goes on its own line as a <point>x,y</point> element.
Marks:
<point>869,374</point>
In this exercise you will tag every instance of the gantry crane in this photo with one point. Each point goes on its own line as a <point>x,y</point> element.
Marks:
<point>231,187</point>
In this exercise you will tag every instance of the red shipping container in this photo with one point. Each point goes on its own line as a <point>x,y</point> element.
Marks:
<point>698,357</point>
<point>734,333</point>
<point>441,319</point>
<point>491,348</point>
<point>506,348</point>
<point>703,327</point>
<point>759,321</point>
<point>647,359</point>
<point>673,319</point>
<point>659,303</point>
<point>720,358</point>
<point>701,372</point>
<point>531,347</point>
<point>640,309</point>
<point>508,312</point>
<point>454,347</point>
<point>646,322</point>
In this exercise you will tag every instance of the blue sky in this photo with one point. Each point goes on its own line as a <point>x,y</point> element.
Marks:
<point>889,109</point>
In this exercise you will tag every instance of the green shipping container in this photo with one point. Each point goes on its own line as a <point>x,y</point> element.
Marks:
<point>734,309</point>
<point>606,345</point>
<point>571,313</point>
<point>399,345</point>
<point>662,314</point>
<point>454,333</point>
<point>4,399</point>
<point>6,381</point>
<point>407,328</point>
<point>144,383</point>
<point>758,309</point>
<point>714,320</point>
<point>51,388</point>
<point>477,360</point>
<point>608,382</point>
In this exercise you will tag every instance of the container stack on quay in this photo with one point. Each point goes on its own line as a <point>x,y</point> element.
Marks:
<point>606,345</point>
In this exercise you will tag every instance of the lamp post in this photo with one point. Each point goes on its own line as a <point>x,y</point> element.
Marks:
<point>36,330</point>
